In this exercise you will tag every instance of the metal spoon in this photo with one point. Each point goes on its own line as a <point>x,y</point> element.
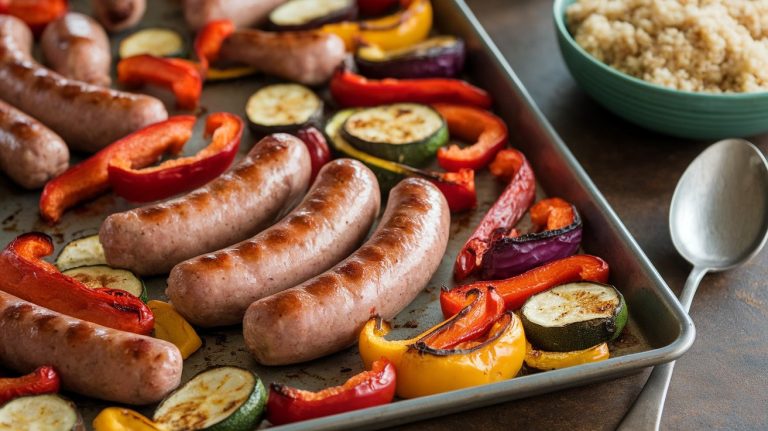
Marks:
<point>718,220</point>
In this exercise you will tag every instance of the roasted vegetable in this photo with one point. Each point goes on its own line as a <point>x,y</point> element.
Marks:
<point>35,13</point>
<point>172,327</point>
<point>485,132</point>
<point>308,14</point>
<point>99,276</point>
<point>367,389</point>
<point>120,419</point>
<point>44,380</point>
<point>518,289</point>
<point>406,133</point>
<point>208,42</point>
<point>574,316</point>
<point>81,252</point>
<point>182,77</point>
<point>319,153</point>
<point>160,42</point>
<point>41,412</point>
<point>561,237</point>
<point>283,108</point>
<point>542,360</point>
<point>437,57</point>
<point>179,175</point>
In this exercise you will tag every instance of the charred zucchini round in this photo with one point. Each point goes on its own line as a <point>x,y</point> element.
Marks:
<point>97,276</point>
<point>48,412</point>
<point>574,316</point>
<point>219,399</point>
<point>408,133</point>
<point>160,42</point>
<point>81,252</point>
<point>283,108</point>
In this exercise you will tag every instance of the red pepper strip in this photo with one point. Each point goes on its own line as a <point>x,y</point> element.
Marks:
<point>367,389</point>
<point>319,153</point>
<point>518,289</point>
<point>179,175</point>
<point>35,13</point>
<point>209,39</point>
<point>350,89</point>
<point>502,217</point>
<point>90,178</point>
<point>457,187</point>
<point>552,214</point>
<point>487,131</point>
<point>24,274</point>
<point>44,380</point>
<point>505,164</point>
<point>180,76</point>
<point>471,322</point>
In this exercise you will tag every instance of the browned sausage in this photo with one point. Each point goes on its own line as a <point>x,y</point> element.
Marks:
<point>231,208</point>
<point>334,218</point>
<point>77,47</point>
<point>244,13</point>
<point>86,116</point>
<point>92,360</point>
<point>119,15</point>
<point>308,57</point>
<point>30,154</point>
<point>325,314</point>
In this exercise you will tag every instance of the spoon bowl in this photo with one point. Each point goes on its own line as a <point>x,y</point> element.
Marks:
<point>718,220</point>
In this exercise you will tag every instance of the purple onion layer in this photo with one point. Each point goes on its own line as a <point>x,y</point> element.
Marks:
<point>434,62</point>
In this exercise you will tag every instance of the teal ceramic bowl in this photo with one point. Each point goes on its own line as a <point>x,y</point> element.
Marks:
<point>677,113</point>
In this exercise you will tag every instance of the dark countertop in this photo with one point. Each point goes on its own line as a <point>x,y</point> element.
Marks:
<point>721,383</point>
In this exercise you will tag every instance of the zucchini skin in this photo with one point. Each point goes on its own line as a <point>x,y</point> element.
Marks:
<point>578,335</point>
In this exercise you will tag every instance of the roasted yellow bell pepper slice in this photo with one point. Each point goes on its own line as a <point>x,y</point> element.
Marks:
<point>120,419</point>
<point>542,360</point>
<point>172,327</point>
<point>396,31</point>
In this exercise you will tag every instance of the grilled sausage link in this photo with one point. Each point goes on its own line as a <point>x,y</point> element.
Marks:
<point>332,220</point>
<point>325,314</point>
<point>308,57</point>
<point>92,360</point>
<point>237,205</point>
<point>243,13</point>
<point>86,116</point>
<point>77,47</point>
<point>119,15</point>
<point>30,154</point>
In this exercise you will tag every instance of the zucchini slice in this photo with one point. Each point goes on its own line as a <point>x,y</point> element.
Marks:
<point>96,276</point>
<point>283,108</point>
<point>219,399</point>
<point>574,316</point>
<point>81,252</point>
<point>307,14</point>
<point>47,412</point>
<point>407,133</point>
<point>160,42</point>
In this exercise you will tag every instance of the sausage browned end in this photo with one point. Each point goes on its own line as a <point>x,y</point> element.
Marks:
<point>77,47</point>
<point>119,15</point>
<point>325,314</point>
<point>308,57</point>
<point>87,117</point>
<point>92,360</point>
<point>237,205</point>
<point>30,153</point>
<point>243,13</point>
<point>332,220</point>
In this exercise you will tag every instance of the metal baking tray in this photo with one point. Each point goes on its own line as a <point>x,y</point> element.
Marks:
<point>658,331</point>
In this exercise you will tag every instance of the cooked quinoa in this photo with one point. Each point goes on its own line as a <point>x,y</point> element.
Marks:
<point>693,45</point>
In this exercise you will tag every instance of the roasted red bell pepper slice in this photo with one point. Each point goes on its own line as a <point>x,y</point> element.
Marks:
<point>552,214</point>
<point>24,274</point>
<point>182,77</point>
<point>471,322</point>
<point>209,39</point>
<point>179,175</point>
<point>500,218</point>
<point>367,389</point>
<point>518,289</point>
<point>505,165</point>
<point>376,7</point>
<point>486,132</point>
<point>319,153</point>
<point>44,380</point>
<point>350,89</point>
<point>458,188</point>
<point>90,178</point>
<point>35,13</point>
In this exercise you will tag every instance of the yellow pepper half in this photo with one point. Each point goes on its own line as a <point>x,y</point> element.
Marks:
<point>120,419</point>
<point>542,360</point>
<point>172,327</point>
<point>425,371</point>
<point>396,31</point>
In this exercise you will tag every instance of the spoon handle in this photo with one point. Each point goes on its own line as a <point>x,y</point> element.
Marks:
<point>645,414</point>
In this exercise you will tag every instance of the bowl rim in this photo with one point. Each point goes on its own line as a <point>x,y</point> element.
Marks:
<point>559,11</point>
